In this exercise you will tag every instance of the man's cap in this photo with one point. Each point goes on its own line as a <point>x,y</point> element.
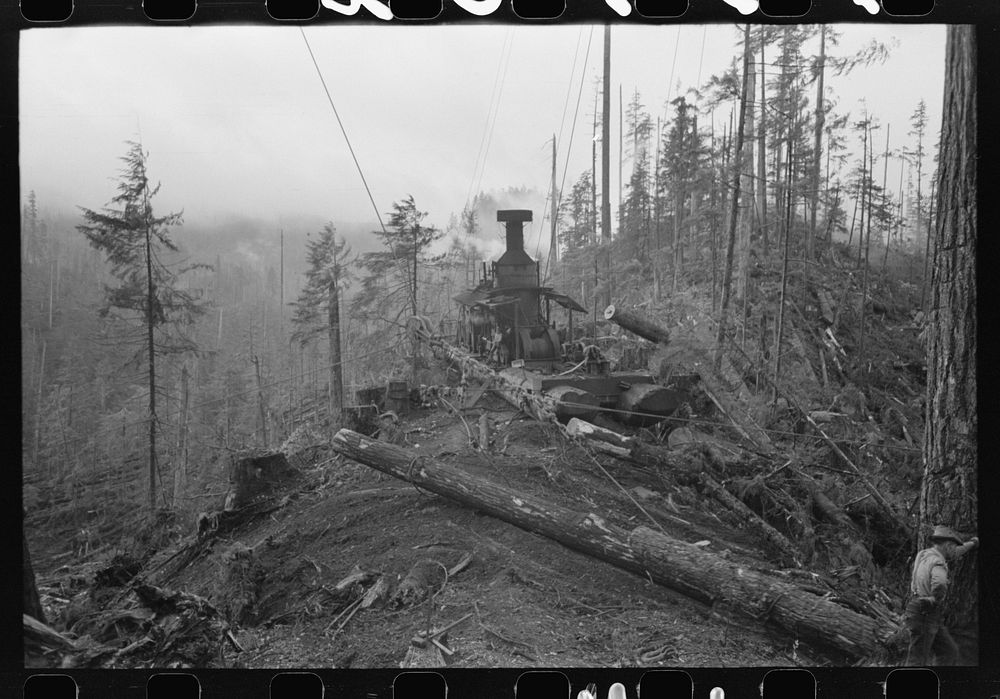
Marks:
<point>943,533</point>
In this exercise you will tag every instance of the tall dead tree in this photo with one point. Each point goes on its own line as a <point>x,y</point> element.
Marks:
<point>606,167</point>
<point>748,205</point>
<point>727,277</point>
<point>948,493</point>
<point>817,149</point>
<point>762,149</point>
<point>787,227</point>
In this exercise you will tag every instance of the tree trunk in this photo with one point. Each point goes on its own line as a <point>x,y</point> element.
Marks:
<point>780,325</point>
<point>727,278</point>
<point>260,401</point>
<point>150,348</point>
<point>336,359</point>
<point>949,494</point>
<point>593,178</point>
<point>668,561</point>
<point>606,166</point>
<point>864,272</point>
<point>885,197</point>
<point>38,404</point>
<point>748,205</point>
<point>762,152</point>
<point>29,597</point>
<point>180,481</point>
<point>925,282</point>
<point>553,242</point>
<point>817,149</point>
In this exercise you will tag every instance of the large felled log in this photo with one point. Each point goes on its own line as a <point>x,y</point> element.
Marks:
<point>572,402</point>
<point>670,562</point>
<point>710,578</point>
<point>508,384</point>
<point>648,403</point>
<point>634,324</point>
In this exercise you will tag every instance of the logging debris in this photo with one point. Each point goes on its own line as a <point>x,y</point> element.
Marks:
<point>331,546</point>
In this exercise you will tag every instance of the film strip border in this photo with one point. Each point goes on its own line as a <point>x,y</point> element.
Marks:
<point>857,683</point>
<point>175,11</point>
<point>909,683</point>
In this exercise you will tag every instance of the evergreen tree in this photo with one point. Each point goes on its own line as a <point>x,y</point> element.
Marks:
<point>391,288</point>
<point>918,124</point>
<point>317,310</point>
<point>393,274</point>
<point>137,245</point>
<point>681,159</point>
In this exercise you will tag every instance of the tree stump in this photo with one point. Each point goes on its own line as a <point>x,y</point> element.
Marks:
<point>256,475</point>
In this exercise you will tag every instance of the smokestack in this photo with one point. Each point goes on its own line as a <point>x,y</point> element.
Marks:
<point>514,220</point>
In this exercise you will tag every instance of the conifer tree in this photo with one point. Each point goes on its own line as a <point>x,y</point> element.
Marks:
<point>393,274</point>
<point>148,296</point>
<point>317,310</point>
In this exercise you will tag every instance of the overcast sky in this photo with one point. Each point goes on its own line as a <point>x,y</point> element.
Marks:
<point>236,120</point>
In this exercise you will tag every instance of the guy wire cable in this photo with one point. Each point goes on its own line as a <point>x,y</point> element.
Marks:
<point>364,181</point>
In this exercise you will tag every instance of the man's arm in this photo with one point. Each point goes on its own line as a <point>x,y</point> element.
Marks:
<point>966,547</point>
<point>939,581</point>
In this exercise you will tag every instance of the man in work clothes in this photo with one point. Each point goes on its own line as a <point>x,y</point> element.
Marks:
<point>928,587</point>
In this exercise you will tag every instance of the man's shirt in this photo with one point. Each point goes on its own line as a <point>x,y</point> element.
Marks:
<point>930,574</point>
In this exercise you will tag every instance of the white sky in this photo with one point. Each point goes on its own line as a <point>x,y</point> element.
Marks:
<point>236,121</point>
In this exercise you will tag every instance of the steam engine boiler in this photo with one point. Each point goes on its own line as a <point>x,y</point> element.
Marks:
<point>507,317</point>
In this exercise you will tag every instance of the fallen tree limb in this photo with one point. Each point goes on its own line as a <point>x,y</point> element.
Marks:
<point>675,564</point>
<point>745,426</point>
<point>581,428</point>
<point>44,636</point>
<point>772,536</point>
<point>903,526</point>
<point>810,418</point>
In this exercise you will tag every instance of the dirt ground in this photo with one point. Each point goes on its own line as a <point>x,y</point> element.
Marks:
<point>533,602</point>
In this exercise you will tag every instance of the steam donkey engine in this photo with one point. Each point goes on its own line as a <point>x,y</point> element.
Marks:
<point>507,317</point>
